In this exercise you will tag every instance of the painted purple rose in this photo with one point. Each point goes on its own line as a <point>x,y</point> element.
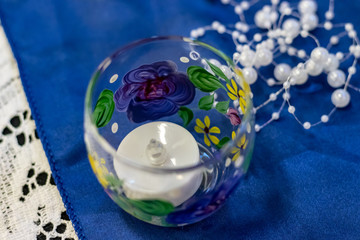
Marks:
<point>152,91</point>
<point>233,115</point>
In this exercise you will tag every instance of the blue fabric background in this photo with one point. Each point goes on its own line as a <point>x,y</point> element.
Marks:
<point>301,184</point>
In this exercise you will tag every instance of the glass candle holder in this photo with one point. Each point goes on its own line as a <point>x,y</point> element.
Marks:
<point>169,129</point>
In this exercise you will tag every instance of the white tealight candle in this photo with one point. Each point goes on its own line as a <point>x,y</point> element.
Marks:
<point>159,144</point>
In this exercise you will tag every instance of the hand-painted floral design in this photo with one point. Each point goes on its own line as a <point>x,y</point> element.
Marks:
<point>235,93</point>
<point>204,127</point>
<point>234,117</point>
<point>240,146</point>
<point>99,168</point>
<point>152,91</point>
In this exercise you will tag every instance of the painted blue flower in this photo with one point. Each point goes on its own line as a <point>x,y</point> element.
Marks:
<point>152,91</point>
<point>195,209</point>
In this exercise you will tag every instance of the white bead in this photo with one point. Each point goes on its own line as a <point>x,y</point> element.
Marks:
<point>283,6</point>
<point>286,96</point>
<point>291,109</point>
<point>307,6</point>
<point>287,11</point>
<point>225,1</point>
<point>239,48</point>
<point>301,54</point>
<point>283,49</point>
<point>275,116</point>
<point>352,70</point>
<point>282,72</point>
<point>227,71</point>
<point>267,9</point>
<point>329,15</point>
<point>313,68</point>
<point>235,34</point>
<point>275,2</point>
<point>236,56</point>
<point>292,81</point>
<point>340,98</point>
<point>324,118</point>
<point>352,34</point>
<point>245,28</point>
<point>270,44</point>
<point>271,82</point>
<point>245,5</point>
<point>193,34</point>
<point>331,63</point>
<point>291,51</point>
<point>215,25</point>
<point>238,9</point>
<point>247,58</point>
<point>339,55</point>
<point>286,85</point>
<point>304,33</point>
<point>352,48</point>
<point>292,27</point>
<point>242,38</point>
<point>262,19</point>
<point>263,57</point>
<point>257,128</point>
<point>274,16</point>
<point>334,40</point>
<point>328,25</point>
<point>307,125</point>
<point>221,29</point>
<point>201,31</point>
<point>319,55</point>
<point>336,78</point>
<point>299,75</point>
<point>272,97</point>
<point>257,37</point>
<point>238,25</point>
<point>349,27</point>
<point>309,21</point>
<point>250,75</point>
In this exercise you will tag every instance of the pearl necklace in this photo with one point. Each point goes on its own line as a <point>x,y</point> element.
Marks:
<point>276,39</point>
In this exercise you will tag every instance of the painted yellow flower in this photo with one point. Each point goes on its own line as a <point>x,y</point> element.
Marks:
<point>235,93</point>
<point>240,145</point>
<point>99,169</point>
<point>204,127</point>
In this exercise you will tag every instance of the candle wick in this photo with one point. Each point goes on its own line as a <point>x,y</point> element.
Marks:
<point>155,152</point>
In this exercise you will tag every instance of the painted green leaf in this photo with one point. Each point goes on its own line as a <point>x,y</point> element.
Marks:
<point>203,80</point>
<point>113,181</point>
<point>186,115</point>
<point>222,142</point>
<point>206,102</point>
<point>154,207</point>
<point>222,107</point>
<point>104,109</point>
<point>218,71</point>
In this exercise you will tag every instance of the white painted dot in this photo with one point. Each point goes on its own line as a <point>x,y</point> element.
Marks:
<point>228,162</point>
<point>239,161</point>
<point>248,128</point>
<point>194,55</point>
<point>114,78</point>
<point>114,127</point>
<point>184,59</point>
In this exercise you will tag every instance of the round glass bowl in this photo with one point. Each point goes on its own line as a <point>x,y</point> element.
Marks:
<point>169,129</point>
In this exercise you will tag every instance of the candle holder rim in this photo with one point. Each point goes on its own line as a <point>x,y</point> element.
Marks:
<point>91,128</point>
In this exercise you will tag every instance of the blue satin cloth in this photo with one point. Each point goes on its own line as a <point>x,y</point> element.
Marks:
<point>300,185</point>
